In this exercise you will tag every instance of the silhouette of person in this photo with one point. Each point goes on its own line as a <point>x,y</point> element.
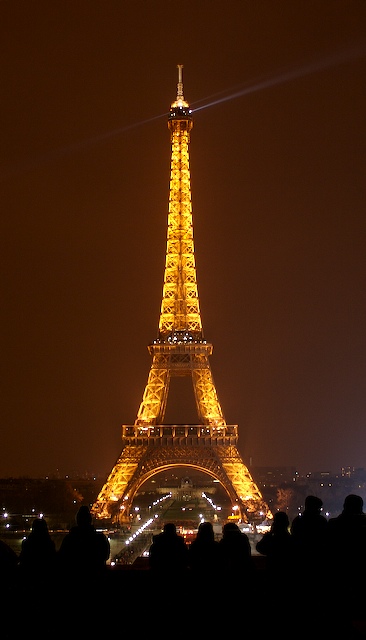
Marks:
<point>8,565</point>
<point>347,536</point>
<point>82,559</point>
<point>37,571</point>
<point>37,559</point>
<point>84,551</point>
<point>277,545</point>
<point>203,552</point>
<point>236,567</point>
<point>168,553</point>
<point>235,553</point>
<point>8,589</point>
<point>309,532</point>
<point>347,562</point>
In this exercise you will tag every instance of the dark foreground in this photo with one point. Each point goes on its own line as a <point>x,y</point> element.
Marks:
<point>132,601</point>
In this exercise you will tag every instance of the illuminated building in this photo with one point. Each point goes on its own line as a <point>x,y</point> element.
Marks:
<point>150,446</point>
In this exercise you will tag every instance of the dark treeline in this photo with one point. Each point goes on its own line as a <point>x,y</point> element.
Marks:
<point>58,497</point>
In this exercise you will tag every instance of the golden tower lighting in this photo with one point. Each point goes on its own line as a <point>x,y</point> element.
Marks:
<point>150,446</point>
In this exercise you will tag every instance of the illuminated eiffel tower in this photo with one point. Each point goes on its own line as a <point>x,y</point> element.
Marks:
<point>150,446</point>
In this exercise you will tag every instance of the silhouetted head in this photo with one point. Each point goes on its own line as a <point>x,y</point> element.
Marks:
<point>281,521</point>
<point>229,528</point>
<point>170,528</point>
<point>83,516</point>
<point>39,526</point>
<point>205,530</point>
<point>353,504</point>
<point>313,504</point>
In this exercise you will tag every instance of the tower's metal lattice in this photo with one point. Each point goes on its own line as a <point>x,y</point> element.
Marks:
<point>150,446</point>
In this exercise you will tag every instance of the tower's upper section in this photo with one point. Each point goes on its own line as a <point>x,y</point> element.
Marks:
<point>179,110</point>
<point>180,317</point>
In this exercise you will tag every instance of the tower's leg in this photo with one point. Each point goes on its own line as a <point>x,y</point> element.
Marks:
<point>152,408</point>
<point>208,405</point>
<point>109,503</point>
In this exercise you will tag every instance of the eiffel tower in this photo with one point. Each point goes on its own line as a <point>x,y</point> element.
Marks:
<point>150,446</point>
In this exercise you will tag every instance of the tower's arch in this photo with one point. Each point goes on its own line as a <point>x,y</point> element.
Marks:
<point>139,481</point>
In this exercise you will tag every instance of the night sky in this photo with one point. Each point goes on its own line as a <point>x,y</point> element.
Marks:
<point>278,177</point>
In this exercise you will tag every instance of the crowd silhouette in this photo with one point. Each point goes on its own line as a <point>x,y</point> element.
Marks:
<point>54,586</point>
<point>312,574</point>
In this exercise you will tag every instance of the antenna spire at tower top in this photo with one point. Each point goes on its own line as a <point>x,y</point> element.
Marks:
<point>180,102</point>
<point>180,82</point>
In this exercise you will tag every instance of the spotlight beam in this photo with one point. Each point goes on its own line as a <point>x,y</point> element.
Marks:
<point>239,91</point>
<point>285,76</point>
<point>61,152</point>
